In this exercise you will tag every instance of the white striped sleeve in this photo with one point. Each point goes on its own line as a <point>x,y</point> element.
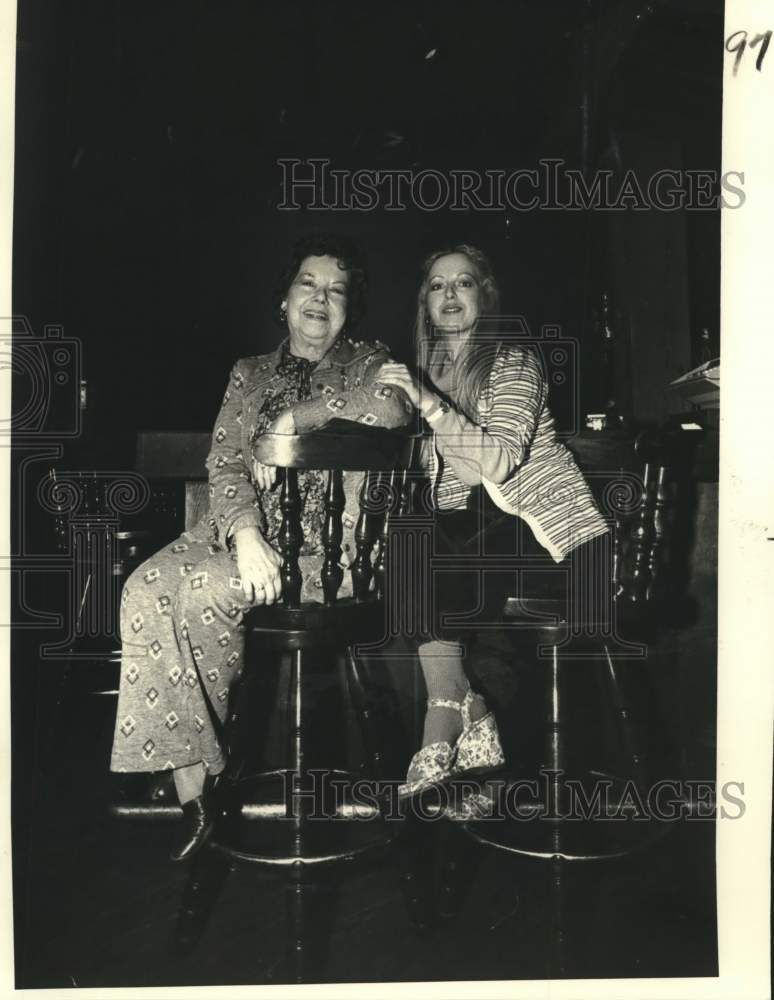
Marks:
<point>518,396</point>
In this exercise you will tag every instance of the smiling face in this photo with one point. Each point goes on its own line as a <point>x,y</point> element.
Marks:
<point>316,306</point>
<point>453,296</point>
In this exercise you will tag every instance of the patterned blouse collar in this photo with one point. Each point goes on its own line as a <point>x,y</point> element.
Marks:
<point>287,363</point>
<point>291,365</point>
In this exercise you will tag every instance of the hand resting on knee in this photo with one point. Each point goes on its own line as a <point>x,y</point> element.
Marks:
<point>259,566</point>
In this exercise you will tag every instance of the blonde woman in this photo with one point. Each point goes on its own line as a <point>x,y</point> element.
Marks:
<point>496,468</point>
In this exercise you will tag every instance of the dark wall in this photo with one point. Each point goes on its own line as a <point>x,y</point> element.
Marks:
<point>147,184</point>
<point>662,112</point>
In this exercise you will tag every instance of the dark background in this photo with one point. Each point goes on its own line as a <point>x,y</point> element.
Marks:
<point>146,225</point>
<point>147,184</point>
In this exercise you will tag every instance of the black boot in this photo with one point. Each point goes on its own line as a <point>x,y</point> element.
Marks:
<point>199,817</point>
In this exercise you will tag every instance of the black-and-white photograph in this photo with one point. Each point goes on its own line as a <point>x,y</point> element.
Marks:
<point>365,367</point>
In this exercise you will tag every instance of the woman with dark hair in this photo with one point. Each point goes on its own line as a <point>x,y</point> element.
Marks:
<point>182,610</point>
<point>494,454</point>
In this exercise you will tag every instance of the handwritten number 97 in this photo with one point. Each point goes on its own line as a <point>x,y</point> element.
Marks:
<point>738,43</point>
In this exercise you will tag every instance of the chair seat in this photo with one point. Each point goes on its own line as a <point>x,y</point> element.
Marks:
<point>556,615</point>
<point>544,611</point>
<point>341,624</point>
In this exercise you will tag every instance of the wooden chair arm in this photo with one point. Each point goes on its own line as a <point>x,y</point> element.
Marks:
<point>340,446</point>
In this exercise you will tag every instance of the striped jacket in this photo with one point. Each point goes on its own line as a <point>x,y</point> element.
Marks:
<point>514,452</point>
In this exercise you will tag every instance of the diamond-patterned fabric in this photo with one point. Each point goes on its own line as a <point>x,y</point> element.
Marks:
<point>183,647</point>
<point>182,610</point>
<point>182,650</point>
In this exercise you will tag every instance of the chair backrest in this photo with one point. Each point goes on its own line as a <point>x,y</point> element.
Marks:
<point>646,560</point>
<point>643,494</point>
<point>383,456</point>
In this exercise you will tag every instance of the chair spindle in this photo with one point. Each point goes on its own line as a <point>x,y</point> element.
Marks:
<point>657,541</point>
<point>388,485</point>
<point>362,571</point>
<point>332,572</point>
<point>635,567</point>
<point>290,539</point>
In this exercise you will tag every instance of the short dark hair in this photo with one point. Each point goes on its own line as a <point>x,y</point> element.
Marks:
<point>350,258</point>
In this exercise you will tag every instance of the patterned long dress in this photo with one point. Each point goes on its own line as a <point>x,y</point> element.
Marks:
<point>182,610</point>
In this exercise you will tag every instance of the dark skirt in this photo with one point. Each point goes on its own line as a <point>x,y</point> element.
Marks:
<point>482,556</point>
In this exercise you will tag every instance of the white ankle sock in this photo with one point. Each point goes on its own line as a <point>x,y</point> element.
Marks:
<point>189,782</point>
<point>444,673</point>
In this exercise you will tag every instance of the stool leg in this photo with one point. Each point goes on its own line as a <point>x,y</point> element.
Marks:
<point>359,691</point>
<point>246,719</point>
<point>557,960</point>
<point>297,886</point>
<point>297,890</point>
<point>626,737</point>
<point>419,701</point>
<point>554,742</point>
<point>556,802</point>
<point>238,732</point>
<point>209,871</point>
<point>457,871</point>
<point>296,801</point>
<point>311,900</point>
<point>417,853</point>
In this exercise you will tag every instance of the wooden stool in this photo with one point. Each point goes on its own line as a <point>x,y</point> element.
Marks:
<point>299,819</point>
<point>594,627</point>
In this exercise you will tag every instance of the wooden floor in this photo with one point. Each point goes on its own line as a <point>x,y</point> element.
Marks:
<point>97,901</point>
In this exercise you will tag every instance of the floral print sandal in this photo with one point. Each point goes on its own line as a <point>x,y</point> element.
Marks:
<point>477,750</point>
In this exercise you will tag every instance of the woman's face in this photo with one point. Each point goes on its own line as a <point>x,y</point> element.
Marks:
<point>453,297</point>
<point>316,306</point>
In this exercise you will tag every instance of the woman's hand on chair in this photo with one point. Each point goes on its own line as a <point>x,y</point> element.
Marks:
<point>283,424</point>
<point>264,476</point>
<point>394,373</point>
<point>259,564</point>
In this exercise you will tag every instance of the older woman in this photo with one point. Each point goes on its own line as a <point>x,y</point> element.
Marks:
<point>494,454</point>
<point>182,610</point>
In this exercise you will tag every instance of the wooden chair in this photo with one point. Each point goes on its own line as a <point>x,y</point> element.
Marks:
<point>292,819</point>
<point>294,631</point>
<point>591,635</point>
